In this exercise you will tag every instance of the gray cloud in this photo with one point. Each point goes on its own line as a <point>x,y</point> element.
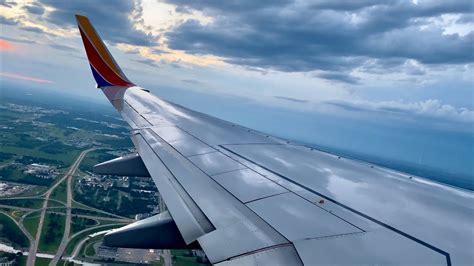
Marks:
<point>339,77</point>
<point>6,21</point>
<point>428,109</point>
<point>32,29</point>
<point>466,18</point>
<point>109,17</point>
<point>18,40</point>
<point>146,61</point>
<point>295,100</point>
<point>332,36</point>
<point>392,65</point>
<point>7,3</point>
<point>63,47</point>
<point>34,8</point>
<point>157,51</point>
<point>133,51</point>
<point>191,81</point>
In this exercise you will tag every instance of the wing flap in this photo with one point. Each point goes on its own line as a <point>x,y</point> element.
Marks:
<point>282,255</point>
<point>296,218</point>
<point>380,247</point>
<point>191,222</point>
<point>247,185</point>
<point>231,219</point>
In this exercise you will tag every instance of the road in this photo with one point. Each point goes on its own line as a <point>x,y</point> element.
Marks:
<point>22,228</point>
<point>34,247</point>
<point>34,242</point>
<point>67,227</point>
<point>78,246</point>
<point>167,257</point>
<point>52,210</point>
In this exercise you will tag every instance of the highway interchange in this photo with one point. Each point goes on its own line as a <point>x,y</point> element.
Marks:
<point>66,237</point>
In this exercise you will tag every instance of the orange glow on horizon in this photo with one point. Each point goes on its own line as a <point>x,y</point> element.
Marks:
<point>4,45</point>
<point>22,77</point>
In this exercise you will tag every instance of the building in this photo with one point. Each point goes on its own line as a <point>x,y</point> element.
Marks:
<point>41,170</point>
<point>7,261</point>
<point>36,168</point>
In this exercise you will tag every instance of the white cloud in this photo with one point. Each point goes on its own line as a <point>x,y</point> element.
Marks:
<point>431,108</point>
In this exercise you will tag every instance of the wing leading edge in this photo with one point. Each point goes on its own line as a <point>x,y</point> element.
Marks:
<point>249,198</point>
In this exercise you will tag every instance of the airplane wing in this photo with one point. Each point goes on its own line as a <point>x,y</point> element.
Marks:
<point>246,197</point>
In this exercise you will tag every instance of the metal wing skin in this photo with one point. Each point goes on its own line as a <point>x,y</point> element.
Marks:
<point>249,198</point>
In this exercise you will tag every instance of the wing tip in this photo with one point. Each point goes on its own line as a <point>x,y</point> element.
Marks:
<point>81,19</point>
<point>105,70</point>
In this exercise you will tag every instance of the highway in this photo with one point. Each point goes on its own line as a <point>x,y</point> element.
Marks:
<point>45,197</point>
<point>34,247</point>
<point>52,210</point>
<point>78,246</point>
<point>67,227</point>
<point>22,228</point>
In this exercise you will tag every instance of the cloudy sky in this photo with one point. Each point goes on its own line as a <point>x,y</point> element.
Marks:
<point>397,60</point>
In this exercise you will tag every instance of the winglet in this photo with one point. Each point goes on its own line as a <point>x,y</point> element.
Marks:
<point>104,68</point>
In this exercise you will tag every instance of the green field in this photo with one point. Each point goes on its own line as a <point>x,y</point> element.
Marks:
<point>21,261</point>
<point>23,141</point>
<point>93,158</point>
<point>91,212</point>
<point>38,262</point>
<point>31,223</point>
<point>79,205</point>
<point>60,192</point>
<point>67,158</point>
<point>73,242</point>
<point>59,210</point>
<point>81,223</point>
<point>80,208</point>
<point>24,203</point>
<point>53,203</point>
<point>35,191</point>
<point>53,229</point>
<point>88,248</point>
<point>9,230</point>
<point>42,261</point>
<point>182,257</point>
<point>16,214</point>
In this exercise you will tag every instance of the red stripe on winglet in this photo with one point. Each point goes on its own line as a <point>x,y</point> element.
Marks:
<point>101,67</point>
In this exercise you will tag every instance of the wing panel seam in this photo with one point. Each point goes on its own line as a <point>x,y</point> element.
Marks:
<point>225,189</point>
<point>419,241</point>
<point>205,227</point>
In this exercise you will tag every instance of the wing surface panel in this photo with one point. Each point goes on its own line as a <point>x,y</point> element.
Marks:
<point>297,219</point>
<point>212,163</point>
<point>208,129</point>
<point>435,215</point>
<point>309,174</point>
<point>370,248</point>
<point>247,185</point>
<point>234,223</point>
<point>190,220</point>
<point>283,255</point>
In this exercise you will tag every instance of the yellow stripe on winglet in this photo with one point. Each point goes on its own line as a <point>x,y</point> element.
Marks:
<point>99,45</point>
